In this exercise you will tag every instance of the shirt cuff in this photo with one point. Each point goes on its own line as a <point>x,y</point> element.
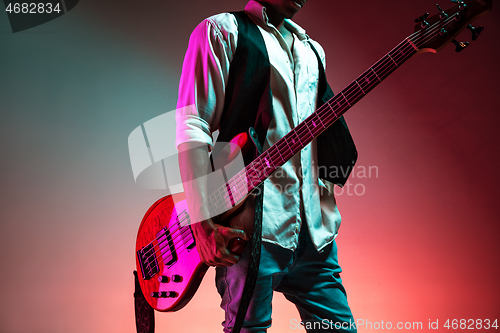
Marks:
<point>191,128</point>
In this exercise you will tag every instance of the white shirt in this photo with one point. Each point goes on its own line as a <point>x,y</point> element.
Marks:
<point>295,186</point>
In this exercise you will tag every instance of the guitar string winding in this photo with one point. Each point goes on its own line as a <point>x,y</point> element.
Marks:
<point>245,178</point>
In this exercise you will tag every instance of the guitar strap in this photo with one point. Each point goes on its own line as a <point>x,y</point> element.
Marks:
<point>254,261</point>
<point>144,313</point>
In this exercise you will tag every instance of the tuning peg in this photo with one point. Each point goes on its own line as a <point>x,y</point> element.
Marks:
<point>461,4</point>
<point>422,19</point>
<point>475,31</point>
<point>460,46</point>
<point>443,15</point>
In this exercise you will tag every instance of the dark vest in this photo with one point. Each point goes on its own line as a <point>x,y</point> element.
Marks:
<point>248,103</point>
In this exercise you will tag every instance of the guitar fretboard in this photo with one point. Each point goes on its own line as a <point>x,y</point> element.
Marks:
<point>245,181</point>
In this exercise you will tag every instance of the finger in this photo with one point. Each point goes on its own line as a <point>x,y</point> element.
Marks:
<point>230,233</point>
<point>225,257</point>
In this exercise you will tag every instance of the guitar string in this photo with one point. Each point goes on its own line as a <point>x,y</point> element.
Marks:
<point>383,62</point>
<point>285,142</point>
<point>371,86</point>
<point>418,41</point>
<point>349,92</point>
<point>161,244</point>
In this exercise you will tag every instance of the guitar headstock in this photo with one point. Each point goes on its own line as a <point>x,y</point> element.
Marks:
<point>435,32</point>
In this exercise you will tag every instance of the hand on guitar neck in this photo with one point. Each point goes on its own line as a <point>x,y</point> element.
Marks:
<point>213,241</point>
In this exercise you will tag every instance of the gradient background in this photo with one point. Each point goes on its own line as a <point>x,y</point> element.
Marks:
<point>420,243</point>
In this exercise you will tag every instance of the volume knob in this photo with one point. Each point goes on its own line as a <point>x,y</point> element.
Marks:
<point>163,279</point>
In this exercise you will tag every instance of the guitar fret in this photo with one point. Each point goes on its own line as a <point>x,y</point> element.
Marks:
<point>338,104</point>
<point>261,168</point>
<point>219,202</point>
<point>398,54</point>
<point>413,45</point>
<point>230,194</point>
<point>385,66</point>
<point>315,114</point>
<point>235,191</point>
<point>345,98</point>
<point>395,63</point>
<point>297,131</point>
<point>272,158</point>
<point>225,199</point>
<point>331,108</point>
<point>263,165</point>
<point>212,205</point>
<point>241,184</point>
<point>284,153</point>
<point>281,157</point>
<point>341,104</point>
<point>307,127</point>
<point>360,87</point>
<point>367,81</point>
<point>282,160</point>
<point>376,74</point>
<point>288,145</point>
<point>305,132</point>
<point>295,145</point>
<point>327,115</point>
<point>354,92</point>
<point>255,176</point>
<point>406,49</point>
<point>265,171</point>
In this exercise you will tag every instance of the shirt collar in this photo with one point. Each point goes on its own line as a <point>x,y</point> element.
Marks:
<point>258,11</point>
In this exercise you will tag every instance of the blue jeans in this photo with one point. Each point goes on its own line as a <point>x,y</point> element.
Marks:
<point>309,279</point>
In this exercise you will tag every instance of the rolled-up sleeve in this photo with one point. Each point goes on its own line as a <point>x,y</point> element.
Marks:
<point>203,80</point>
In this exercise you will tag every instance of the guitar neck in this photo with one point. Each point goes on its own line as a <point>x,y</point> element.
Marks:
<point>326,115</point>
<point>245,181</point>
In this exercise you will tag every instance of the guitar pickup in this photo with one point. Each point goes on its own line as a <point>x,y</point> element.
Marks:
<point>184,226</point>
<point>166,246</point>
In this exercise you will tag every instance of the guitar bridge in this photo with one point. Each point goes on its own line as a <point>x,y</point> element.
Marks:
<point>164,247</point>
<point>147,262</point>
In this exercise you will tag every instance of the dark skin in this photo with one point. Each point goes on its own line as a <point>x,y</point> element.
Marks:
<point>279,10</point>
<point>211,238</point>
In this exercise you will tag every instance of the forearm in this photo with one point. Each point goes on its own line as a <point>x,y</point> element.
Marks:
<point>194,165</point>
<point>211,239</point>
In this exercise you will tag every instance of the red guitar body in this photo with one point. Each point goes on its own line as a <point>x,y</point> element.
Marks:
<point>168,265</point>
<point>171,270</point>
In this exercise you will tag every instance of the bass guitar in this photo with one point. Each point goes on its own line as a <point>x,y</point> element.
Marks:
<point>168,264</point>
